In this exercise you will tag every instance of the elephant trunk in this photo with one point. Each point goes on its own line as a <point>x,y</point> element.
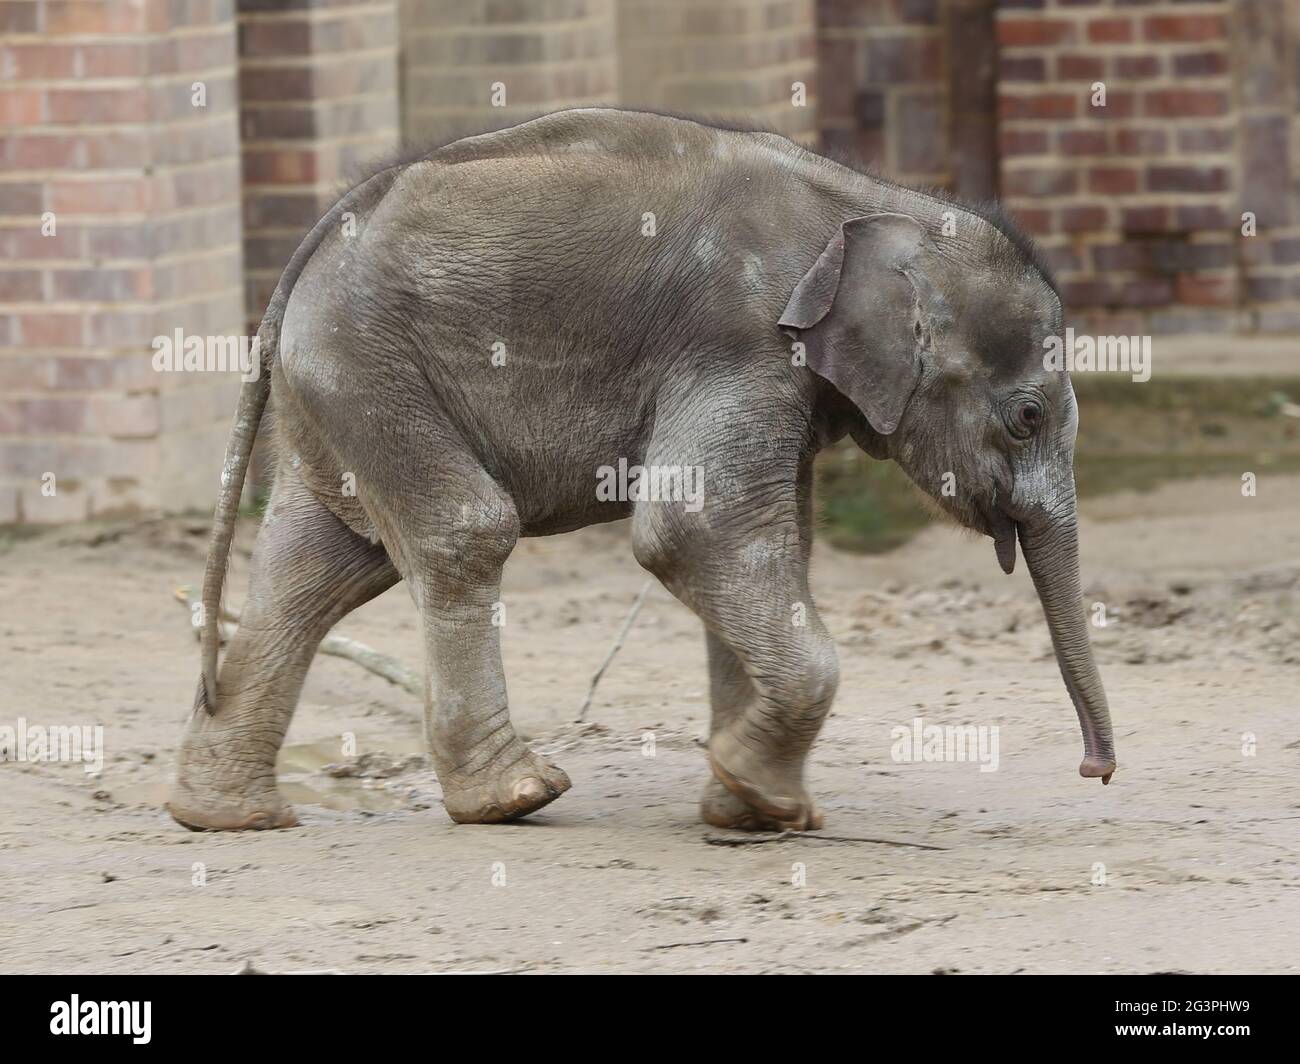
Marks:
<point>1051,548</point>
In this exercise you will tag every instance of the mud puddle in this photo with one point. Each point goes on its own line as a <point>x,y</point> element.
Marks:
<point>317,774</point>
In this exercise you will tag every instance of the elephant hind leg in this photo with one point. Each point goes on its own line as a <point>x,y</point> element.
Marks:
<point>451,542</point>
<point>308,571</point>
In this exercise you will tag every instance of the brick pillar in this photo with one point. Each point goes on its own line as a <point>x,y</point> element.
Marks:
<point>1135,200</point>
<point>138,191</point>
<point>971,44</point>
<point>318,99</point>
<point>547,54</point>
<point>883,90</point>
<point>736,59</point>
<point>1267,36</point>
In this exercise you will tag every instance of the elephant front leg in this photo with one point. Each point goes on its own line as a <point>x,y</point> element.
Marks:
<point>742,566</point>
<point>731,692</point>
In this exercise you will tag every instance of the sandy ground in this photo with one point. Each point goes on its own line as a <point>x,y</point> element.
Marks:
<point>1187,862</point>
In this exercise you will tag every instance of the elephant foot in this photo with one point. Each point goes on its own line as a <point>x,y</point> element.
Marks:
<point>496,795</point>
<point>722,809</point>
<point>224,783</point>
<point>207,809</point>
<point>770,789</point>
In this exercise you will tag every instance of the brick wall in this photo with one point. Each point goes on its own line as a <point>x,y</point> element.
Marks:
<point>138,194</point>
<point>739,60</point>
<point>157,204</point>
<point>318,99</point>
<point>547,54</point>
<point>883,86</point>
<point>1139,203</point>
<point>1134,197</point>
<point>1267,46</point>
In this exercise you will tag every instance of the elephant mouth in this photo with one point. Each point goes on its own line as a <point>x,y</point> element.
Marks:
<point>1002,529</point>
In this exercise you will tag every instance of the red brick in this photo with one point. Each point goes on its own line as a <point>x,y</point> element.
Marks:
<point>1141,141</point>
<point>103,284</point>
<point>907,59</point>
<point>1107,257</point>
<point>1203,291</point>
<point>1118,105</point>
<point>27,62</point>
<point>1083,219</point>
<point>1089,292</point>
<point>21,198</point>
<point>20,286</point>
<point>22,107</point>
<point>1038,105</point>
<point>1173,28</point>
<point>1143,292</point>
<point>278,38</point>
<point>86,374</point>
<point>1205,216</point>
<point>94,17</point>
<point>1039,182</point>
<point>1022,68</point>
<point>1200,64</point>
<point>1031,32</point>
<point>124,417</point>
<point>1113,180</point>
<point>26,243</point>
<point>1180,255</point>
<point>1184,103</point>
<point>1023,141</point>
<point>1187,179</point>
<point>83,106</point>
<point>1079,67</point>
<point>1035,221</point>
<point>1110,30</point>
<point>103,196</point>
<point>129,241</point>
<point>114,59</point>
<point>39,150</point>
<point>1137,67</point>
<point>117,149</point>
<point>1205,140</point>
<point>18,16</point>
<point>51,329</point>
<point>1150,219</point>
<point>1082,142</point>
<point>282,165</point>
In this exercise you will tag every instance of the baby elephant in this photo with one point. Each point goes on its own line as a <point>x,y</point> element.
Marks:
<point>464,347</point>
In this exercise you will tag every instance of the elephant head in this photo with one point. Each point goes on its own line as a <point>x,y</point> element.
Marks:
<point>938,342</point>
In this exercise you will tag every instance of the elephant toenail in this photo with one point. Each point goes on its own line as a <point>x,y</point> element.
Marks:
<point>530,789</point>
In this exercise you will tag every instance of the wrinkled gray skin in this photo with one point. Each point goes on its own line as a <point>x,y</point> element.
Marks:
<point>673,349</point>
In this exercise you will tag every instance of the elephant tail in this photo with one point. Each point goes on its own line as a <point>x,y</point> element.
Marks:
<point>253,398</point>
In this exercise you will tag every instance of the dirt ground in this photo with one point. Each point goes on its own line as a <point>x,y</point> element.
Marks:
<point>1186,862</point>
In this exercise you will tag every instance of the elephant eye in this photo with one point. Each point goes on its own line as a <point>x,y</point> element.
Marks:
<point>1028,416</point>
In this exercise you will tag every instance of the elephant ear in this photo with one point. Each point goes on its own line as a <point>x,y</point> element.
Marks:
<point>860,314</point>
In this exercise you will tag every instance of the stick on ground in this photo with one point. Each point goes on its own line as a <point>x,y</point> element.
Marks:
<point>627,625</point>
<point>370,659</point>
